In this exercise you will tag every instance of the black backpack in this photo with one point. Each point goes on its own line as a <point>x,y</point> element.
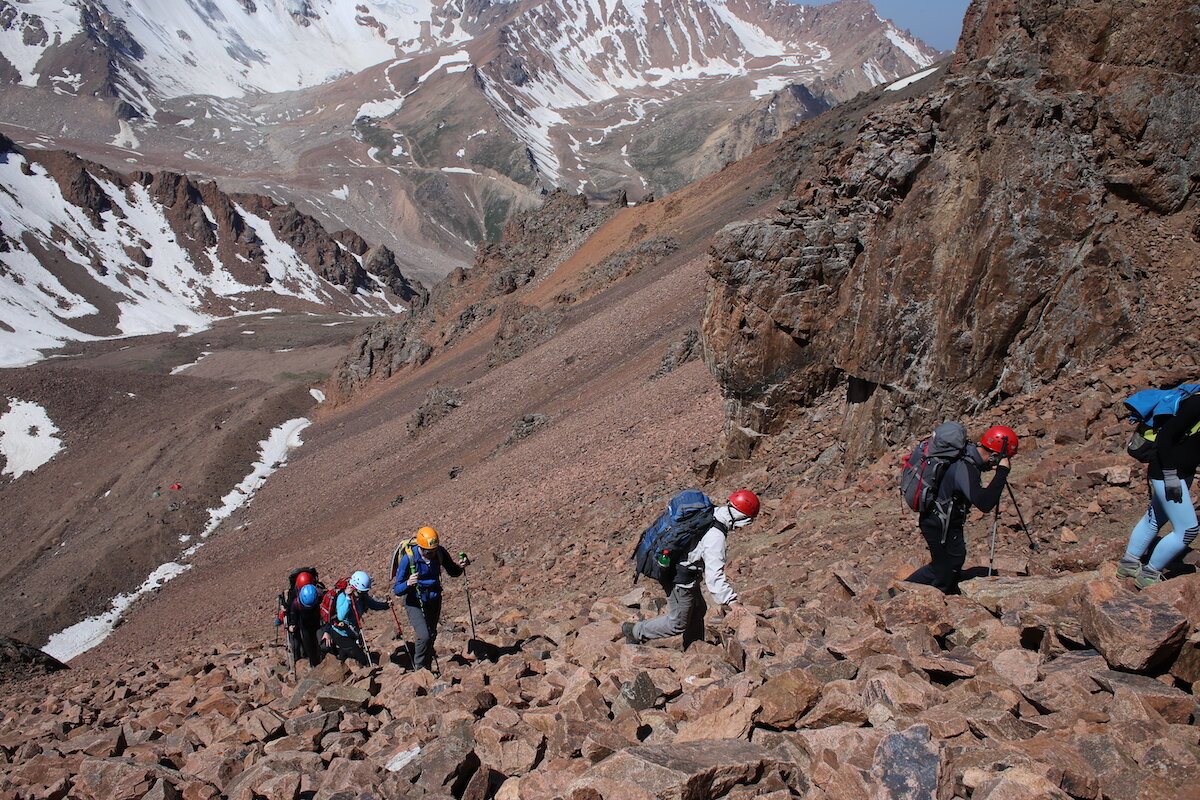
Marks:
<point>922,471</point>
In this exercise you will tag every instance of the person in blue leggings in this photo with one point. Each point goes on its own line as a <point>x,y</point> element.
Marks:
<point>1170,474</point>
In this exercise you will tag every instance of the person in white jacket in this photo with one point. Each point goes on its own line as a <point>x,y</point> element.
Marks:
<point>685,602</point>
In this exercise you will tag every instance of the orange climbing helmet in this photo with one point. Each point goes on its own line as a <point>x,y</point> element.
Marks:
<point>427,538</point>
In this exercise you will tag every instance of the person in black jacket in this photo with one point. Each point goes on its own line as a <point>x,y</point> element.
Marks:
<point>961,488</point>
<point>1169,474</point>
<point>303,621</point>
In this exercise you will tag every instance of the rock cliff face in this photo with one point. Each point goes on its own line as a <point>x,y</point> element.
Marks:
<point>972,243</point>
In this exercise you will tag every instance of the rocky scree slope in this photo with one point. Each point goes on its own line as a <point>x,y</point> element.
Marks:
<point>975,243</point>
<point>1056,687</point>
<point>90,253</point>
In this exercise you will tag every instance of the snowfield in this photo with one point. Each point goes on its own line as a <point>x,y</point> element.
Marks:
<point>27,439</point>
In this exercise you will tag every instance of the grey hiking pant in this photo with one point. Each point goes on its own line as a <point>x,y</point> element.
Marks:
<point>685,614</point>
<point>423,619</point>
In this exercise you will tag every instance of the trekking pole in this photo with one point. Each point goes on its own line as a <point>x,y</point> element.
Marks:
<point>467,589</point>
<point>362,635</point>
<point>1033,545</point>
<point>995,524</point>
<point>400,632</point>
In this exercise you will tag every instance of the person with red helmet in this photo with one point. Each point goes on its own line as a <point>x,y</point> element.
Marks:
<point>960,489</point>
<point>686,607</point>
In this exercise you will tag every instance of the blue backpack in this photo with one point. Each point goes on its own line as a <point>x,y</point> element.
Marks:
<point>663,546</point>
<point>1149,410</point>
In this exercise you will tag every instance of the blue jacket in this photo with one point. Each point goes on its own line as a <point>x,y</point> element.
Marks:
<point>348,619</point>
<point>429,575</point>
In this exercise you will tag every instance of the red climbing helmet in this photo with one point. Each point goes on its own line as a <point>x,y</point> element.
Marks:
<point>1000,439</point>
<point>745,501</point>
<point>303,579</point>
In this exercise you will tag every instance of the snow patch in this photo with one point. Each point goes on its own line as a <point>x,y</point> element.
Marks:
<point>183,367</point>
<point>27,439</point>
<point>125,137</point>
<point>83,636</point>
<point>272,454</point>
<point>911,79</point>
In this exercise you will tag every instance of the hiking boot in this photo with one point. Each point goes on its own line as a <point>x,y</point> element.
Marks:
<point>627,629</point>
<point>1147,576</point>
<point>1128,567</point>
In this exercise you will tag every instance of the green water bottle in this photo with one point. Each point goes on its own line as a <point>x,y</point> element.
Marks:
<point>664,558</point>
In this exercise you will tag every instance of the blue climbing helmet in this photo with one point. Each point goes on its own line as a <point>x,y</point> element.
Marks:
<point>361,581</point>
<point>308,596</point>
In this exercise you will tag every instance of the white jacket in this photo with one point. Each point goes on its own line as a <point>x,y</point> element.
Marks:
<point>709,552</point>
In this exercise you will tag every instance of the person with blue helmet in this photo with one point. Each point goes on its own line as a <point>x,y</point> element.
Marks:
<point>418,575</point>
<point>304,620</point>
<point>346,623</point>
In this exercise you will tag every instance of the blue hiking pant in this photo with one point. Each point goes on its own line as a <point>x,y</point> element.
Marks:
<point>1159,512</point>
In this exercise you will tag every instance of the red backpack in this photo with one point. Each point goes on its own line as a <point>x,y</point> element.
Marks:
<point>329,601</point>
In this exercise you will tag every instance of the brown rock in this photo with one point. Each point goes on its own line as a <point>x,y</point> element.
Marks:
<point>731,722</point>
<point>341,697</point>
<point>1018,666</point>
<point>686,770</point>
<point>785,698</point>
<point>840,704</point>
<point>1132,631</point>
<point>1174,705</point>
<point>1018,784</point>
<point>993,723</point>
<point>344,775</point>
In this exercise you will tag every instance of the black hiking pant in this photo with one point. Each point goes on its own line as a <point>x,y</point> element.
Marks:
<point>424,622</point>
<point>349,647</point>
<point>304,645</point>
<point>947,552</point>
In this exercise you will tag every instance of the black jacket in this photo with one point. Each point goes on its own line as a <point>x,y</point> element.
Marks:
<point>1174,447</point>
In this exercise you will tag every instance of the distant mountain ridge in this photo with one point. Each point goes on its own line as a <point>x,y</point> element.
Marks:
<point>425,125</point>
<point>86,253</point>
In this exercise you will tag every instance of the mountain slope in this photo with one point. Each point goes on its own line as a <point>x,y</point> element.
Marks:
<point>88,253</point>
<point>423,127</point>
<point>839,679</point>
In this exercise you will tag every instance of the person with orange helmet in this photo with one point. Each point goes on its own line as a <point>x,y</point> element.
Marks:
<point>686,607</point>
<point>419,581</point>
<point>961,487</point>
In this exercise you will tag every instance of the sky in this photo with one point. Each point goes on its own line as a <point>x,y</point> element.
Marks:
<point>937,22</point>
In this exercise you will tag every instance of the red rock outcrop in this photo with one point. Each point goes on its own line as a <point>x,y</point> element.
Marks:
<point>970,244</point>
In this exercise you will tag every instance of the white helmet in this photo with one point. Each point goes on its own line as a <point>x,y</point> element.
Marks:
<point>361,581</point>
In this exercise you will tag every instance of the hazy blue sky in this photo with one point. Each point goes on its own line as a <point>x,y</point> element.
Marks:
<point>938,22</point>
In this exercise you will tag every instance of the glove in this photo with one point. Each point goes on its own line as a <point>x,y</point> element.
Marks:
<point>1173,488</point>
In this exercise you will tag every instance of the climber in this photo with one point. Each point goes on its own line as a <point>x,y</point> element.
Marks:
<point>303,621</point>
<point>686,607</point>
<point>418,573</point>
<point>1170,467</point>
<point>959,489</point>
<point>344,631</point>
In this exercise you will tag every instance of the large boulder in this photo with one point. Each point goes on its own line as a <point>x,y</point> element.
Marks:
<point>687,771</point>
<point>1132,631</point>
